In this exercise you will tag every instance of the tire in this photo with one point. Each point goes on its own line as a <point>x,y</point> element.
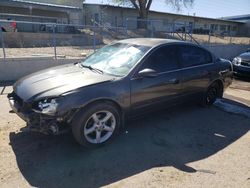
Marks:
<point>96,125</point>
<point>211,95</point>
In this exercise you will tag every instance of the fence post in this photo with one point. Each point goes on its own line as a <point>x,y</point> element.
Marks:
<point>152,28</point>
<point>172,31</point>
<point>185,30</point>
<point>230,33</point>
<point>191,31</point>
<point>2,40</point>
<point>209,35</point>
<point>54,39</point>
<point>173,28</point>
<point>126,26</point>
<point>94,40</point>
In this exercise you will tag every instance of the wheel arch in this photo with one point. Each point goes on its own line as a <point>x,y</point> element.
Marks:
<point>105,100</point>
<point>102,100</point>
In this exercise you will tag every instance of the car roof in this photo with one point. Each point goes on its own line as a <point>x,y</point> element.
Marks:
<point>151,42</point>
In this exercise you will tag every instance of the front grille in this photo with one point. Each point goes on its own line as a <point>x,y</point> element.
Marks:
<point>244,63</point>
<point>245,60</point>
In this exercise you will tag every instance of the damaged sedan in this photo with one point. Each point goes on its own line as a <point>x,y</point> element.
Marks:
<point>119,81</point>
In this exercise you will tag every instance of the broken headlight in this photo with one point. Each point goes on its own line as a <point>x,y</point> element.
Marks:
<point>46,106</point>
<point>237,61</point>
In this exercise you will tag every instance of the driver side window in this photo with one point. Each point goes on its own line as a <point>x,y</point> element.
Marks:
<point>162,59</point>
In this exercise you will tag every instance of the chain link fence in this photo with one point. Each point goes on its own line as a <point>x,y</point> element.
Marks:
<point>35,39</point>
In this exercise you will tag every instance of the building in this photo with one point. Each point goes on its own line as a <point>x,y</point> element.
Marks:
<point>115,16</point>
<point>42,11</point>
<point>245,29</point>
<point>75,12</point>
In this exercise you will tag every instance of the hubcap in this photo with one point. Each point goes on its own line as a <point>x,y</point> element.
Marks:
<point>99,127</point>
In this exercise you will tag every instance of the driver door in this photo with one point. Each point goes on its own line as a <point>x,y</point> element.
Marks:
<point>165,86</point>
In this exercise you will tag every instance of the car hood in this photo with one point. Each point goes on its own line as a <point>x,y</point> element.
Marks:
<point>245,56</point>
<point>56,81</point>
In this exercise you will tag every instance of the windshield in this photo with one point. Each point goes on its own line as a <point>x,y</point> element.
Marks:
<point>116,59</point>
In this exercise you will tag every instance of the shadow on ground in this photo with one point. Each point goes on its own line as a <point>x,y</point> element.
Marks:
<point>173,137</point>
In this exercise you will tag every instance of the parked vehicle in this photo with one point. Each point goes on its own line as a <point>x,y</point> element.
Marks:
<point>241,64</point>
<point>95,97</point>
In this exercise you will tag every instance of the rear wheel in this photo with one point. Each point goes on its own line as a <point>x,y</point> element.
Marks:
<point>211,95</point>
<point>96,125</point>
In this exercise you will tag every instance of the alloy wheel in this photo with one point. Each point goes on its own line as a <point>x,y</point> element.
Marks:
<point>99,127</point>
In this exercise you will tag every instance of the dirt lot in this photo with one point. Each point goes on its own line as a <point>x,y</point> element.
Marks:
<point>186,146</point>
<point>221,40</point>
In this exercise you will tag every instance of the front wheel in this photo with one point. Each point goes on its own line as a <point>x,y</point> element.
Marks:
<point>96,125</point>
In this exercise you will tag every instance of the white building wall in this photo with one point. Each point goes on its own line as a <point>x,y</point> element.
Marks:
<point>127,17</point>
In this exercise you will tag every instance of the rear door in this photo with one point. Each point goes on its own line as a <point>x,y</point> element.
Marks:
<point>148,92</point>
<point>197,68</point>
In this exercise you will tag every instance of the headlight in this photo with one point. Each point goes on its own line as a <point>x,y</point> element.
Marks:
<point>237,61</point>
<point>47,106</point>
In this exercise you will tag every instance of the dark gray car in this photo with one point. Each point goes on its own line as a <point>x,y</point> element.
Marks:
<point>119,81</point>
<point>241,64</point>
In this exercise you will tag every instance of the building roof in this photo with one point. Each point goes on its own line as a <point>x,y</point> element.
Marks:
<point>152,11</point>
<point>42,4</point>
<point>239,18</point>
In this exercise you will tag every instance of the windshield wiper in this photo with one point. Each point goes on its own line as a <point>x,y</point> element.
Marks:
<point>92,68</point>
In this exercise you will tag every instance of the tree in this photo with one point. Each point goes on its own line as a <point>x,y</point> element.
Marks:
<point>143,6</point>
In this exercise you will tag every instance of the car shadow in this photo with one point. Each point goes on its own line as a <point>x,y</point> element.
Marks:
<point>172,137</point>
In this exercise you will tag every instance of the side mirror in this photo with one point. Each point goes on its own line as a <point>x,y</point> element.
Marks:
<point>149,73</point>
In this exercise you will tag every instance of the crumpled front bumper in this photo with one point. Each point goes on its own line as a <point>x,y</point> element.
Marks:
<point>35,121</point>
<point>17,109</point>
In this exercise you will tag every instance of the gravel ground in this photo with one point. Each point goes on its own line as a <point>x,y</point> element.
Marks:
<point>186,146</point>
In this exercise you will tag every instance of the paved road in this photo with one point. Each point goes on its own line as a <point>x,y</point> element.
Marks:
<point>186,146</point>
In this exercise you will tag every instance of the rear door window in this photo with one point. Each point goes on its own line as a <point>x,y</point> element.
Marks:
<point>193,56</point>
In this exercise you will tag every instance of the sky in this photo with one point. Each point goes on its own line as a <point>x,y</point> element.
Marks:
<point>202,8</point>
